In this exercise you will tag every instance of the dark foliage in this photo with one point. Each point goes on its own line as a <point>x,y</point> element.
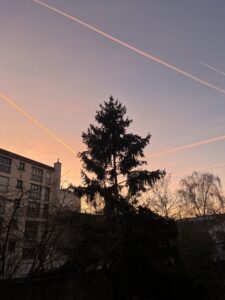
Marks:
<point>131,257</point>
<point>114,159</point>
<point>133,248</point>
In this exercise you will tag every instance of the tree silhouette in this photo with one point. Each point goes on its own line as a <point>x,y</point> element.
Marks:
<point>113,162</point>
<point>162,200</point>
<point>201,194</point>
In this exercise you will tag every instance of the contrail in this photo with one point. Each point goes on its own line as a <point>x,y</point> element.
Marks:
<point>67,172</point>
<point>198,169</point>
<point>134,49</point>
<point>189,146</point>
<point>212,68</point>
<point>34,121</point>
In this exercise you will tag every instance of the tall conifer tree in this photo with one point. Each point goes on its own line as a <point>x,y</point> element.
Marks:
<point>114,159</point>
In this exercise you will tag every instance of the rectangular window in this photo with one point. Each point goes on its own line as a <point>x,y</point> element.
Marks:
<point>5,164</point>
<point>2,205</point>
<point>21,166</point>
<point>31,230</point>
<point>29,253</point>
<point>48,177</point>
<point>220,235</point>
<point>16,203</point>
<point>1,225</point>
<point>4,182</point>
<point>45,210</point>
<point>37,174</point>
<point>11,246</point>
<point>35,191</point>
<point>33,210</point>
<point>47,193</point>
<point>14,224</point>
<point>19,184</point>
<point>16,208</point>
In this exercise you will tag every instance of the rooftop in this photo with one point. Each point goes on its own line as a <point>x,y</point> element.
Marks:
<point>12,155</point>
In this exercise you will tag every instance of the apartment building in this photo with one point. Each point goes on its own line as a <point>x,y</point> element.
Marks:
<point>28,191</point>
<point>36,182</point>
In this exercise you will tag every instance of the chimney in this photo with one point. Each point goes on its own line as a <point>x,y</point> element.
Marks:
<point>57,180</point>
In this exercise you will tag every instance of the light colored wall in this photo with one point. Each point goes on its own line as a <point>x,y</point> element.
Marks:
<point>25,176</point>
<point>56,178</point>
<point>14,193</point>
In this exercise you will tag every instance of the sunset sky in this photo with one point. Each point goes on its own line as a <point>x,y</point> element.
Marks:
<point>59,71</point>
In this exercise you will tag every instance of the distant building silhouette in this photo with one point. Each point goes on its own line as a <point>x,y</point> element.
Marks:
<point>213,224</point>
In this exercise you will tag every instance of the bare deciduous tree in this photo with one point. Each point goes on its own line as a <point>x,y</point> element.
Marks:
<point>201,194</point>
<point>27,250</point>
<point>162,200</point>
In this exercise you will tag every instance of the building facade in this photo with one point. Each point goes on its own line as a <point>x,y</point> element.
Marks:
<point>29,190</point>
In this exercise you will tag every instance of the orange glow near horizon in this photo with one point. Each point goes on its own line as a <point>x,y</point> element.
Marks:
<point>50,57</point>
<point>12,103</point>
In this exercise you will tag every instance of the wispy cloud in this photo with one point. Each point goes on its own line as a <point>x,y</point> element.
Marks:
<point>211,68</point>
<point>134,49</point>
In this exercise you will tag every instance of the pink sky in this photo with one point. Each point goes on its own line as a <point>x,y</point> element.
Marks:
<point>59,72</point>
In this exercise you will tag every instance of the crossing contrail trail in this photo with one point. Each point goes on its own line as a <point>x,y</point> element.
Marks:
<point>34,121</point>
<point>189,146</point>
<point>212,68</point>
<point>175,174</point>
<point>134,49</point>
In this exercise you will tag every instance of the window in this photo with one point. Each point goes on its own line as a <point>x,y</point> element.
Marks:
<point>48,177</point>
<point>47,193</point>
<point>220,235</point>
<point>4,182</point>
<point>5,164</point>
<point>12,246</point>
<point>19,184</point>
<point>16,203</point>
<point>1,225</point>
<point>45,210</point>
<point>14,224</point>
<point>35,191</point>
<point>37,174</point>
<point>33,210</point>
<point>29,253</point>
<point>31,230</point>
<point>2,206</point>
<point>21,166</point>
